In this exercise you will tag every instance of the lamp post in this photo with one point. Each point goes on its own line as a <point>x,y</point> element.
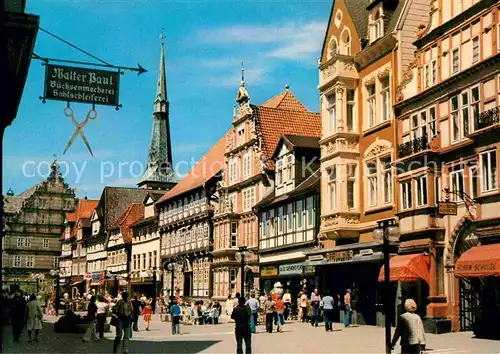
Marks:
<point>387,231</point>
<point>240,256</point>
<point>56,272</point>
<point>153,272</point>
<point>172,267</point>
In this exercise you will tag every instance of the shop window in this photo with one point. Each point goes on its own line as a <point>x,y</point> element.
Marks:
<point>488,161</point>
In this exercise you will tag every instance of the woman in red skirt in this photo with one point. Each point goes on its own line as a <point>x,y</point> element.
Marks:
<point>146,314</point>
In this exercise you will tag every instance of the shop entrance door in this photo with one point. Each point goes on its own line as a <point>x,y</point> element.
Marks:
<point>469,302</point>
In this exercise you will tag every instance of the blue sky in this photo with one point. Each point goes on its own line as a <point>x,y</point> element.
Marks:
<point>278,40</point>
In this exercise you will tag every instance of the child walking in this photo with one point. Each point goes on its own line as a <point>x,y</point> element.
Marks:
<point>146,314</point>
<point>175,313</point>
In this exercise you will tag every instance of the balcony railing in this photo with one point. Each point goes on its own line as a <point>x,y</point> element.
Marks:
<point>488,118</point>
<point>413,146</point>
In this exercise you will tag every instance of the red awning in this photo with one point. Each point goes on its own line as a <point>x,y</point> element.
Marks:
<point>409,267</point>
<point>480,261</point>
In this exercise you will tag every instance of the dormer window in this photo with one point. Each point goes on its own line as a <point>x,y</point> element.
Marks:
<point>289,168</point>
<point>377,25</point>
<point>279,172</point>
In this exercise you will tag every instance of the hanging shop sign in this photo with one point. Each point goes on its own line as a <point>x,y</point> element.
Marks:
<point>73,84</point>
<point>96,275</point>
<point>268,271</point>
<point>291,269</point>
<point>339,256</point>
<point>87,276</point>
<point>447,208</point>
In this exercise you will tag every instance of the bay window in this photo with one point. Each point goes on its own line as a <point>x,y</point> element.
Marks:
<point>350,110</point>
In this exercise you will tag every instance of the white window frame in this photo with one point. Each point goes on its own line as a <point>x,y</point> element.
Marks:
<point>248,198</point>
<point>476,51</point>
<point>27,242</point>
<point>371,103</point>
<point>421,191</point>
<point>351,183</point>
<point>20,242</point>
<point>455,181</point>
<point>406,195</point>
<point>372,182</point>
<point>475,107</point>
<point>386,172</point>
<point>332,187</point>
<point>453,70</point>
<point>247,164</point>
<point>240,136</point>
<point>350,110</point>
<point>455,119</point>
<point>474,181</point>
<point>279,172</point>
<point>30,261</point>
<point>289,167</point>
<point>331,104</point>
<point>46,243</point>
<point>489,171</point>
<point>233,170</point>
<point>385,94</point>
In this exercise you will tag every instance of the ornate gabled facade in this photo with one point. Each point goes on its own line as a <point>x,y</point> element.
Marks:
<point>448,150</point>
<point>289,216</point>
<point>248,177</point>
<point>185,222</point>
<point>159,172</point>
<point>34,222</point>
<point>366,44</point>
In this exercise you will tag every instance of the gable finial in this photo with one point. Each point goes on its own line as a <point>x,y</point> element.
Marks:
<point>162,36</point>
<point>242,73</point>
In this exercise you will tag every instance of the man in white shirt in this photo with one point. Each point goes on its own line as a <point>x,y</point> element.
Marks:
<point>287,299</point>
<point>254,304</point>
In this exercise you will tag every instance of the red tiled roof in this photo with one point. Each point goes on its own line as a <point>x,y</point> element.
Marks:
<point>71,217</point>
<point>287,101</point>
<point>275,122</point>
<point>84,210</point>
<point>207,167</point>
<point>133,213</point>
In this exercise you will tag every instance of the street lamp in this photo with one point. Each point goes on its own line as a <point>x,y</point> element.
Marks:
<point>154,272</point>
<point>240,256</point>
<point>173,267</point>
<point>56,272</point>
<point>387,231</point>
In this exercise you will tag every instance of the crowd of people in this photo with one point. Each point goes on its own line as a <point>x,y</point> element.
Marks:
<point>25,312</point>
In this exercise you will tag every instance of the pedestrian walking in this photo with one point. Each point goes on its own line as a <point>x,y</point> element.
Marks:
<point>253,304</point>
<point>123,311</point>
<point>175,314</point>
<point>269,309</point>
<point>315,301</point>
<point>90,333</point>
<point>410,329</point>
<point>287,299</point>
<point>347,307</point>
<point>34,315</point>
<point>279,305</point>
<point>101,315</point>
<point>147,311</point>
<point>328,305</point>
<point>17,315</point>
<point>241,315</point>
<point>303,305</point>
<point>136,310</point>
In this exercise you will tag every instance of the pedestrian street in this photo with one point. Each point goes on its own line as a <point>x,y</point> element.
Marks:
<point>296,338</point>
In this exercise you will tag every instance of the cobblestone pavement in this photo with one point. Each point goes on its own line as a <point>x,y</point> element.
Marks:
<point>297,338</point>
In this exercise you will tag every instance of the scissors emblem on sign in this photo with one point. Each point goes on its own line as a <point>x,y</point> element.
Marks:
<point>92,114</point>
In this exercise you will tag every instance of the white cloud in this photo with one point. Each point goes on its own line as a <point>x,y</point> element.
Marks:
<point>294,41</point>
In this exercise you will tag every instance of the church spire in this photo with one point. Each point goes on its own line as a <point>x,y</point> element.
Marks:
<point>161,100</point>
<point>159,172</point>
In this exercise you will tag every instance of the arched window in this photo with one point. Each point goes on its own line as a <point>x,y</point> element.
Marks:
<point>346,42</point>
<point>332,48</point>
